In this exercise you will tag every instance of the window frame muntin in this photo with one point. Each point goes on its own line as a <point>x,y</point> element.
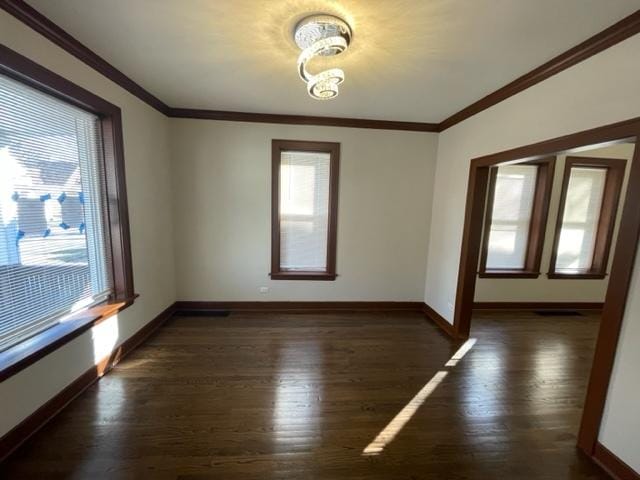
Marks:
<point>30,73</point>
<point>333,149</point>
<point>537,223</point>
<point>614,179</point>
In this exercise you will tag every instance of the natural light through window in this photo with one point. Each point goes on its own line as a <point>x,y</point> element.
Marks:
<point>580,219</point>
<point>304,210</point>
<point>513,197</point>
<point>386,436</point>
<point>53,244</point>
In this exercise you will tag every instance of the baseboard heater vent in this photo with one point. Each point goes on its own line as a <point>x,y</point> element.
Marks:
<point>558,313</point>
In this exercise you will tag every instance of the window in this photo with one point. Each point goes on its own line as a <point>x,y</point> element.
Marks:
<point>515,219</point>
<point>304,210</point>
<point>586,217</point>
<point>64,238</point>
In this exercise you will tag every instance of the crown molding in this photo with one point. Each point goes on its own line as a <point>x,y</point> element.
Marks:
<point>41,24</point>
<point>301,120</point>
<point>616,33</point>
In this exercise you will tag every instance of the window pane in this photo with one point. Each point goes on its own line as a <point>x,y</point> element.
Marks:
<point>53,255</point>
<point>510,217</point>
<point>304,210</point>
<point>580,219</point>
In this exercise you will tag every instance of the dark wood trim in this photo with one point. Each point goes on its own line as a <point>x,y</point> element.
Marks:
<point>576,276</point>
<point>508,274</point>
<point>538,305</point>
<point>470,249</point>
<point>333,149</point>
<point>439,320</point>
<point>612,464</point>
<point>621,270</point>
<point>284,275</point>
<point>612,35</point>
<point>540,212</point>
<point>41,24</point>
<point>25,429</point>
<point>488,219</point>
<point>294,306</point>
<point>537,224</point>
<point>616,33</point>
<point>614,307</point>
<point>30,73</point>
<point>301,120</point>
<point>615,169</point>
<point>29,351</point>
<point>619,132</point>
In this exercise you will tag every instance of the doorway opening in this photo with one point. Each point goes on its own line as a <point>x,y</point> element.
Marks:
<point>619,268</point>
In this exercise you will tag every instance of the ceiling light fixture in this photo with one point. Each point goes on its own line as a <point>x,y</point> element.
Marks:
<point>321,35</point>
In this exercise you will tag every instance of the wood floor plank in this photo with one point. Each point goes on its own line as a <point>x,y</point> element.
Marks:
<point>303,396</point>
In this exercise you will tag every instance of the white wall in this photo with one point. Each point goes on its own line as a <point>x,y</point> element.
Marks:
<point>543,289</point>
<point>380,257</point>
<point>620,431</point>
<point>222,192</point>
<point>148,188</point>
<point>600,90</point>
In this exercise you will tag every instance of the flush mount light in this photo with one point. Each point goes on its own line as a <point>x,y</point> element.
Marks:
<point>321,35</point>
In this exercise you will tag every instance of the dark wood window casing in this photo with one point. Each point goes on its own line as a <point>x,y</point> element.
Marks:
<point>537,226</point>
<point>333,149</point>
<point>615,169</point>
<point>24,70</point>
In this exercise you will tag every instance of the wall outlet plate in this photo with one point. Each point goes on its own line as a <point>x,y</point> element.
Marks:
<point>263,289</point>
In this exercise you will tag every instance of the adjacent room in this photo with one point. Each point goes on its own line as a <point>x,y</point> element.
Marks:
<point>319,239</point>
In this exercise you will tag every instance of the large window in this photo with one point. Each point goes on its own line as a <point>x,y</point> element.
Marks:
<point>53,244</point>
<point>64,238</point>
<point>305,181</point>
<point>586,218</point>
<point>515,219</point>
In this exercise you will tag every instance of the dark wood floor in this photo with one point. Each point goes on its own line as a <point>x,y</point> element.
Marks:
<point>330,396</point>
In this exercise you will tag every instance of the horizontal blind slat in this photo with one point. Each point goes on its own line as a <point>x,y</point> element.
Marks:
<point>54,253</point>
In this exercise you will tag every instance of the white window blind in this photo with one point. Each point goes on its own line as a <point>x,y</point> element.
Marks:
<point>53,237</point>
<point>511,216</point>
<point>304,210</point>
<point>580,219</point>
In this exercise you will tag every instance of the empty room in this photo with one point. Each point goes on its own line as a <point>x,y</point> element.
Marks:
<point>319,239</point>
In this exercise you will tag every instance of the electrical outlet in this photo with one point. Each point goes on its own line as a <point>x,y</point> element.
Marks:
<point>263,290</point>
<point>450,306</point>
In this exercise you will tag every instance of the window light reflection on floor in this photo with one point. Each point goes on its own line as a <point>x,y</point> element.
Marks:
<point>392,429</point>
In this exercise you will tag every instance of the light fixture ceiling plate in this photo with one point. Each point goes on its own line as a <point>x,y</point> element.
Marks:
<point>317,27</point>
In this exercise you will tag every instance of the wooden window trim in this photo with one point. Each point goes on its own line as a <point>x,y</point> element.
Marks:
<point>24,70</point>
<point>537,226</point>
<point>606,223</point>
<point>333,149</point>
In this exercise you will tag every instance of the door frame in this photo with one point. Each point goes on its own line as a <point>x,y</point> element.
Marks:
<point>621,269</point>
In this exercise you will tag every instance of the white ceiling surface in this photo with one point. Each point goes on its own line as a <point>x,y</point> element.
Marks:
<point>411,60</point>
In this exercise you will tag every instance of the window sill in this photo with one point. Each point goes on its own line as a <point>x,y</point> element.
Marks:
<point>508,274</point>
<point>29,351</point>
<point>303,276</point>
<point>576,276</point>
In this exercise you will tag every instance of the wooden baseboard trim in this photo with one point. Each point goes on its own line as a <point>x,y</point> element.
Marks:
<point>203,306</point>
<point>439,320</point>
<point>538,305</point>
<point>34,422</point>
<point>611,464</point>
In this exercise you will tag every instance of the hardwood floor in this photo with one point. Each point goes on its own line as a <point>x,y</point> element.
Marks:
<point>330,396</point>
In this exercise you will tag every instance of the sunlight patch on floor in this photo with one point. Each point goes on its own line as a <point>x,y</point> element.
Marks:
<point>389,432</point>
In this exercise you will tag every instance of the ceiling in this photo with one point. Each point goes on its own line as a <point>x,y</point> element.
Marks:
<point>410,60</point>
